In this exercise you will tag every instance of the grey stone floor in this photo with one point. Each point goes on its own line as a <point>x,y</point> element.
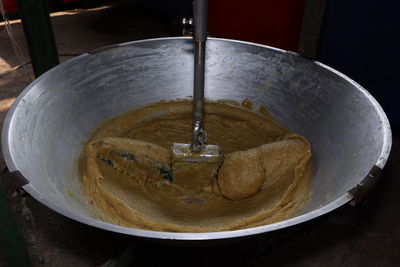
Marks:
<point>366,235</point>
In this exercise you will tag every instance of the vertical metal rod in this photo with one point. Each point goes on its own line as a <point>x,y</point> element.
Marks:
<point>198,97</point>
<point>200,8</point>
<point>11,240</point>
<point>39,35</point>
<point>314,11</point>
<point>200,17</point>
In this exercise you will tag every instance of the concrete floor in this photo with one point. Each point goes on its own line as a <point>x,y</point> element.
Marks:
<point>366,235</point>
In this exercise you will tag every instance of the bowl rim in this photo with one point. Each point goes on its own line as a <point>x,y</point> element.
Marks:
<point>341,200</point>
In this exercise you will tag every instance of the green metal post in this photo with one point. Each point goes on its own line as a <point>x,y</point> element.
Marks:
<point>11,240</point>
<point>39,35</point>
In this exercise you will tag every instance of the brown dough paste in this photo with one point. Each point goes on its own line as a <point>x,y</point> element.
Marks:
<point>126,174</point>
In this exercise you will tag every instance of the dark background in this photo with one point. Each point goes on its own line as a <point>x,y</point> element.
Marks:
<point>360,38</point>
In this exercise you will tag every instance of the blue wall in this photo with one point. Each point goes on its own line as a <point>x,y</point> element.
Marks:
<point>361,38</point>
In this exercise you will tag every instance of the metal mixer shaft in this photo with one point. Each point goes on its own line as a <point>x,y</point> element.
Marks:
<point>200,8</point>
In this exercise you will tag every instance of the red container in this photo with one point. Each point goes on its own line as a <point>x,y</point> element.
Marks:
<point>9,6</point>
<point>272,22</point>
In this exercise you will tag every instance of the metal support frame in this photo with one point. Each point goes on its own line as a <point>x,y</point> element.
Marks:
<point>39,35</point>
<point>12,243</point>
<point>43,53</point>
<point>312,22</point>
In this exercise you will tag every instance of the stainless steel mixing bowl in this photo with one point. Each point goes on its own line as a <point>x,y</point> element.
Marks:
<point>46,127</point>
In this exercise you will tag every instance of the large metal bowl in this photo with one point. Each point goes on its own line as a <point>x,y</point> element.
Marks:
<point>45,129</point>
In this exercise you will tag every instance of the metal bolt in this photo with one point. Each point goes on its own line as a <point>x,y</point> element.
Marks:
<point>187,26</point>
<point>187,22</point>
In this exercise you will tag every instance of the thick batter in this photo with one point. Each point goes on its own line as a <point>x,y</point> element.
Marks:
<point>126,172</point>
